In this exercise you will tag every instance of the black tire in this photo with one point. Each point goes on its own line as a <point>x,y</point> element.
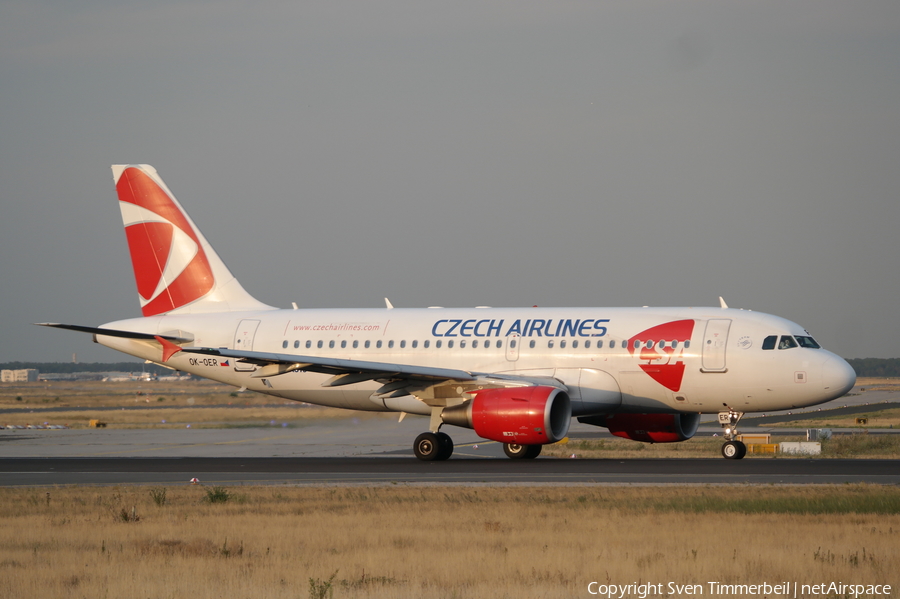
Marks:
<point>445,446</point>
<point>734,450</point>
<point>522,452</point>
<point>427,447</point>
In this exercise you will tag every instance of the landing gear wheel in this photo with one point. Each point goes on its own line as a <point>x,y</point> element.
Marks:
<point>522,452</point>
<point>734,450</point>
<point>445,446</point>
<point>427,447</point>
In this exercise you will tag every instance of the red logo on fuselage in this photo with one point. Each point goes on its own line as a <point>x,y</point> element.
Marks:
<point>170,266</point>
<point>660,349</point>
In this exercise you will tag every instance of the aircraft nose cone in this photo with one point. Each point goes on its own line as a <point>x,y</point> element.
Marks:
<point>838,376</point>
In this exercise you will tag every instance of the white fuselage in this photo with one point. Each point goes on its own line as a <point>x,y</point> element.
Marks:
<point>700,360</point>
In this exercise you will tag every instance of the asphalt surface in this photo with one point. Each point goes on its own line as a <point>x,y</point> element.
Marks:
<point>378,451</point>
<point>318,471</point>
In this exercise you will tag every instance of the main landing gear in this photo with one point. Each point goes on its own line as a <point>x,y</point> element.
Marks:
<point>435,447</point>
<point>521,452</point>
<point>430,447</point>
<point>732,449</point>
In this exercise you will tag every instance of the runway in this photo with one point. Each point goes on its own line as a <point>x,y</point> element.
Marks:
<point>376,450</point>
<point>376,470</point>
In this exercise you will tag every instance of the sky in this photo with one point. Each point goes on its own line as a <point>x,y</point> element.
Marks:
<point>620,153</point>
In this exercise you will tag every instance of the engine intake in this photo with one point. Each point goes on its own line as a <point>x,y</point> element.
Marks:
<point>521,415</point>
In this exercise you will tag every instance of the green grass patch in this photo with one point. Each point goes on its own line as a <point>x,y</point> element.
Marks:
<point>858,499</point>
<point>845,446</point>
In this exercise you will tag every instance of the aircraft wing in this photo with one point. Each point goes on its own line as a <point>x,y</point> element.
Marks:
<point>397,379</point>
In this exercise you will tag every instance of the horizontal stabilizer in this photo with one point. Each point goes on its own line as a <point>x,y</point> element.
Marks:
<point>114,332</point>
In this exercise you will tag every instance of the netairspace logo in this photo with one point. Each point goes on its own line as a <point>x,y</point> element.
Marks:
<point>720,589</point>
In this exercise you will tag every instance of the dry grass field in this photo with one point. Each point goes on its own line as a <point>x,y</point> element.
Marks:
<point>878,384</point>
<point>154,404</point>
<point>875,419</point>
<point>456,542</point>
<point>67,394</point>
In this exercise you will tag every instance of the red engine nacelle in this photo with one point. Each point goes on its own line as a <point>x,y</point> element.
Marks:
<point>651,428</point>
<point>521,415</point>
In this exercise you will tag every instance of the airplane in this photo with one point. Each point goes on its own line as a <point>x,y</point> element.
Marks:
<point>514,375</point>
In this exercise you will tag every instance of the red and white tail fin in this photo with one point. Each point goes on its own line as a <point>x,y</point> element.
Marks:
<point>175,268</point>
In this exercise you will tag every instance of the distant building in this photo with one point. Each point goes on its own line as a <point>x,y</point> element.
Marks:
<point>26,375</point>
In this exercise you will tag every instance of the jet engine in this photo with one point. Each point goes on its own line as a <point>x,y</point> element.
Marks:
<point>519,415</point>
<point>649,428</point>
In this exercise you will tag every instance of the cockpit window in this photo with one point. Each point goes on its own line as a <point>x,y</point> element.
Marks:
<point>787,342</point>
<point>807,342</point>
<point>770,341</point>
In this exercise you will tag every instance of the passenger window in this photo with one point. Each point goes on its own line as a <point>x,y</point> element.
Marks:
<point>612,344</point>
<point>296,344</point>
<point>367,343</point>
<point>308,344</point>
<point>512,343</point>
<point>499,343</point>
<point>450,344</point>
<point>319,344</point>
<point>769,342</point>
<point>687,344</point>
<point>378,344</point>
<point>427,344</point>
<point>475,344</point>
<point>587,345</point>
<point>636,344</point>
<point>530,344</point>
<point>787,342</point>
<point>403,344</point>
<point>284,345</point>
<point>355,344</point>
<point>391,344</point>
<point>343,344</point>
<point>550,344</point>
<point>650,344</point>
<point>438,344</point>
<point>662,345</point>
<point>562,343</point>
<point>575,344</point>
<point>331,344</point>
<point>415,344</point>
<point>462,343</point>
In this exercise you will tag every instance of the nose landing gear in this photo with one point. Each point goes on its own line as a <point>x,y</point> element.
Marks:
<point>732,449</point>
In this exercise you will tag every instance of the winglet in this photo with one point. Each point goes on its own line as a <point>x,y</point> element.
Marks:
<point>169,349</point>
<point>722,303</point>
<point>388,303</point>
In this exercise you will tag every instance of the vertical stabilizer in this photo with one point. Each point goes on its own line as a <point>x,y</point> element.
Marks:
<point>175,268</point>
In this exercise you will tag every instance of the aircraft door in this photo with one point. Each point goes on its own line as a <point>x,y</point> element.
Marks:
<point>715,341</point>
<point>243,341</point>
<point>512,347</point>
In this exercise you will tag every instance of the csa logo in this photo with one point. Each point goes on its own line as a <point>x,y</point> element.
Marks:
<point>659,350</point>
<point>170,266</point>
